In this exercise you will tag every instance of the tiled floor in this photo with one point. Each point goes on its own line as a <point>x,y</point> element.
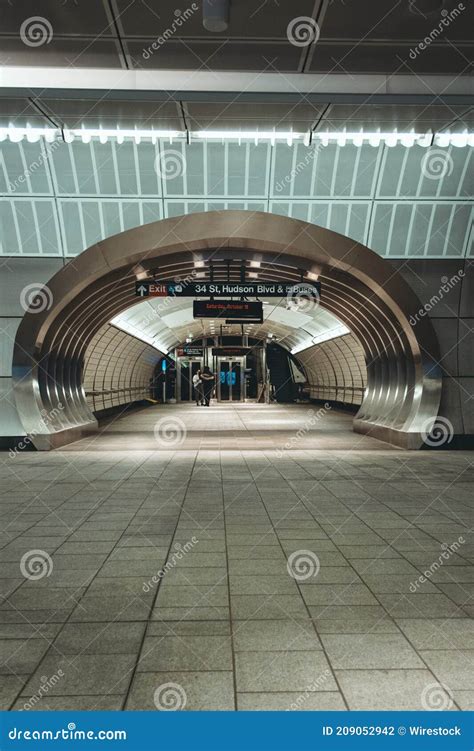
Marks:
<point>232,426</point>
<point>263,577</point>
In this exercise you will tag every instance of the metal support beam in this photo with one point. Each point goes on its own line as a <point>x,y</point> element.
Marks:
<point>200,85</point>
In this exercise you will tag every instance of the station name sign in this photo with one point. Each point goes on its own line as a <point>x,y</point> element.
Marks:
<point>149,288</point>
<point>230,351</point>
<point>228,309</point>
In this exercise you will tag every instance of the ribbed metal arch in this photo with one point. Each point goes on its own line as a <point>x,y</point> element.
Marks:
<point>359,288</point>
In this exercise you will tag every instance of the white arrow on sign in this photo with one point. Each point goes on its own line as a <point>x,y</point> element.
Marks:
<point>142,290</point>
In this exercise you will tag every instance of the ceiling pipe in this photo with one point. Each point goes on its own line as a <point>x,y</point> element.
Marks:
<point>215,15</point>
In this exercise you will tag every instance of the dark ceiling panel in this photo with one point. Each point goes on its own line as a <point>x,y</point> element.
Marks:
<point>67,53</point>
<point>71,17</point>
<point>205,56</point>
<point>357,36</point>
<point>386,19</point>
<point>390,59</point>
<point>267,19</point>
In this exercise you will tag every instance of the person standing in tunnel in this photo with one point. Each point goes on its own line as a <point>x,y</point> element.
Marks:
<point>198,388</point>
<point>207,379</point>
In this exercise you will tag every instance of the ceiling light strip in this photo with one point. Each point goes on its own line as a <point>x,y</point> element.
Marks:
<point>357,138</point>
<point>326,336</point>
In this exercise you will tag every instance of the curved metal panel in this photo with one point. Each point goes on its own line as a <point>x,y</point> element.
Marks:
<point>359,287</point>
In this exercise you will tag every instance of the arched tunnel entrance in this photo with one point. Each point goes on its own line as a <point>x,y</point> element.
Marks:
<point>400,389</point>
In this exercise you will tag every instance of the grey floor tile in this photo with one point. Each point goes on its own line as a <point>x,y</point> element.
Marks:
<point>438,633</point>
<point>21,656</point>
<point>330,619</point>
<point>10,687</point>
<point>146,569</point>
<point>252,553</point>
<point>337,594</point>
<point>203,595</point>
<point>368,551</point>
<point>464,700</point>
<point>182,690</point>
<point>154,554</point>
<point>100,638</point>
<point>388,689</point>
<point>38,599</point>
<point>49,703</point>
<point>378,566</point>
<point>107,608</point>
<point>276,636</point>
<point>262,566</point>
<point>84,675</point>
<point>190,613</point>
<point>184,628</point>
<point>397,584</point>
<point>196,559</point>
<point>461,594</point>
<point>29,630</point>
<point>314,701</point>
<point>370,650</point>
<point>452,667</point>
<point>247,607</point>
<point>283,671</point>
<point>196,576</point>
<point>185,652</point>
<point>261,584</point>
<point>420,605</point>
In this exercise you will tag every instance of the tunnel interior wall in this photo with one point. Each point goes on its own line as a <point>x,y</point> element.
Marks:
<point>118,369</point>
<point>336,370</point>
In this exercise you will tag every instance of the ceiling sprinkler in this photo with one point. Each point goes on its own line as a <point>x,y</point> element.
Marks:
<point>215,15</point>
